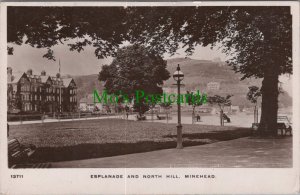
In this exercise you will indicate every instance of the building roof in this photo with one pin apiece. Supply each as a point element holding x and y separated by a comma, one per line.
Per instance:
<point>16,78</point>
<point>44,78</point>
<point>67,81</point>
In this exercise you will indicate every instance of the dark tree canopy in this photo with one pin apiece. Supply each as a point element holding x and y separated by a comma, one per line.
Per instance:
<point>43,27</point>
<point>253,36</point>
<point>135,68</point>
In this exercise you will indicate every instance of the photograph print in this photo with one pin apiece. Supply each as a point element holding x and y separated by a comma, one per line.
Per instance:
<point>149,87</point>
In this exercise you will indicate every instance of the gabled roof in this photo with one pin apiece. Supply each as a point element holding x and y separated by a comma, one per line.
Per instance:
<point>44,78</point>
<point>67,81</point>
<point>16,78</point>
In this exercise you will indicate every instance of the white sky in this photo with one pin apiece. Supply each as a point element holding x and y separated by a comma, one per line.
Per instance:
<point>84,63</point>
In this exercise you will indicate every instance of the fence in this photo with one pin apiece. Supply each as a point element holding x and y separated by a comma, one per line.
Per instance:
<point>58,116</point>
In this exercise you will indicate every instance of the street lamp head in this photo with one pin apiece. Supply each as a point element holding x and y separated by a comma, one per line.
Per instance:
<point>178,75</point>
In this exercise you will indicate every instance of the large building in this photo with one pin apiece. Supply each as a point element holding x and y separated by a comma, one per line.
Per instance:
<point>40,93</point>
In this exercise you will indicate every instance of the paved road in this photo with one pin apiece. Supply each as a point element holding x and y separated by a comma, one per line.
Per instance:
<point>240,153</point>
<point>237,120</point>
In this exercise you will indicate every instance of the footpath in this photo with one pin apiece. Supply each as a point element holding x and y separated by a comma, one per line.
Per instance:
<point>247,152</point>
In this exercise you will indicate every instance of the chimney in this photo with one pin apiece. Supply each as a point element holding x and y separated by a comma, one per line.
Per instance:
<point>43,73</point>
<point>29,72</point>
<point>9,74</point>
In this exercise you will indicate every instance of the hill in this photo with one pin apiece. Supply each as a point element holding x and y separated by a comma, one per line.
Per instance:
<point>197,74</point>
<point>86,85</point>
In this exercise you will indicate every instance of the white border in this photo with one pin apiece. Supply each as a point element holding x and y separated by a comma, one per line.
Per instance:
<point>77,181</point>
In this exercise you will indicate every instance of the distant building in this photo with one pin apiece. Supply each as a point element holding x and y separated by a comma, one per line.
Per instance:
<point>40,93</point>
<point>87,104</point>
<point>212,86</point>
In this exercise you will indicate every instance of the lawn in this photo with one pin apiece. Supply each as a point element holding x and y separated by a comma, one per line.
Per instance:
<point>109,137</point>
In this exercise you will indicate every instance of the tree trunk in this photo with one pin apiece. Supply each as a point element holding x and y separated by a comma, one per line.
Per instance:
<point>193,115</point>
<point>221,118</point>
<point>255,114</point>
<point>269,107</point>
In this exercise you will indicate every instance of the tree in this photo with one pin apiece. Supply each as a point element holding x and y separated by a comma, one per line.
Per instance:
<point>195,100</point>
<point>166,106</point>
<point>43,27</point>
<point>253,94</point>
<point>258,39</point>
<point>135,70</point>
<point>221,102</point>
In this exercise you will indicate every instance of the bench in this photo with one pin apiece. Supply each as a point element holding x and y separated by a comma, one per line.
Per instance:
<point>225,117</point>
<point>284,125</point>
<point>18,153</point>
<point>161,117</point>
<point>139,118</point>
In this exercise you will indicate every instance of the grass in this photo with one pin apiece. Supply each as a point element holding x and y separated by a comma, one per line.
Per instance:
<point>109,137</point>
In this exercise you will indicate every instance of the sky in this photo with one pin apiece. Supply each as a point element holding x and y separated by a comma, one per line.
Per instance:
<point>85,63</point>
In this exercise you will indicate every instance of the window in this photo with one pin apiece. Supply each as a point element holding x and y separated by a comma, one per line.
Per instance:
<point>35,97</point>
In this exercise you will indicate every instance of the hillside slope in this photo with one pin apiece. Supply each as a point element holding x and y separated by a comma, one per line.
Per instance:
<point>197,74</point>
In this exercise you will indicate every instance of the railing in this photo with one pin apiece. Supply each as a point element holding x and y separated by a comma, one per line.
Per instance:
<point>57,116</point>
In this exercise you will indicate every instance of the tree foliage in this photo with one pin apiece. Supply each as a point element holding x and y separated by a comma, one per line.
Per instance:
<point>43,27</point>
<point>135,68</point>
<point>253,94</point>
<point>220,101</point>
<point>253,36</point>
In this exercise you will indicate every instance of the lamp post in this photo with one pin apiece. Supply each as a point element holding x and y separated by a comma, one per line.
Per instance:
<point>178,77</point>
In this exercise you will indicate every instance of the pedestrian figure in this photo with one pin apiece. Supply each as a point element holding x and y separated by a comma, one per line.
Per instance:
<point>127,111</point>
<point>198,117</point>
<point>226,118</point>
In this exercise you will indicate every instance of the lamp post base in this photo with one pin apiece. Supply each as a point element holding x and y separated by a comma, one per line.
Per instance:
<point>179,137</point>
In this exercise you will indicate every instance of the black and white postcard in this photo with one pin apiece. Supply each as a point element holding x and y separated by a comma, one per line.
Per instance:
<point>149,98</point>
